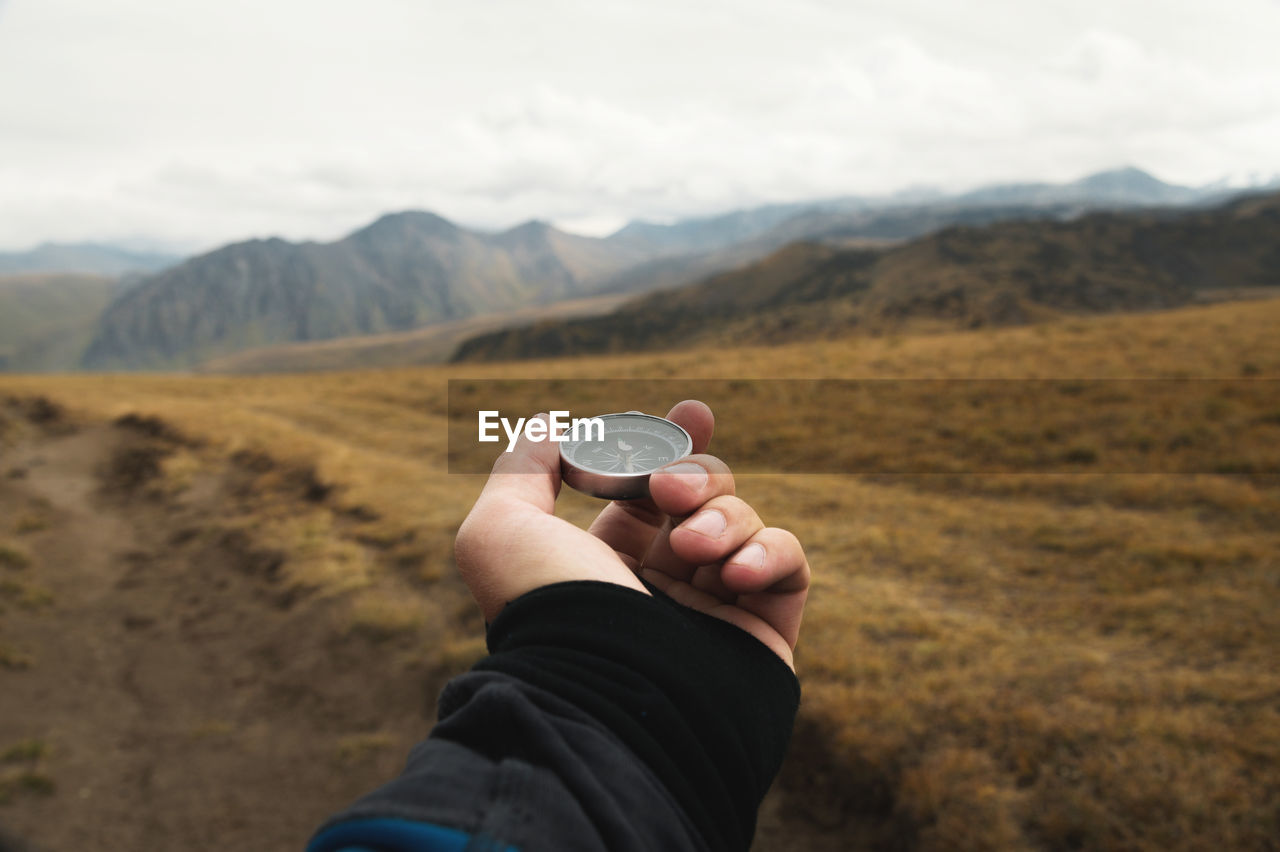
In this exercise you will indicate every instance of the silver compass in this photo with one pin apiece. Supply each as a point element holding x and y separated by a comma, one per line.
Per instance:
<point>618,467</point>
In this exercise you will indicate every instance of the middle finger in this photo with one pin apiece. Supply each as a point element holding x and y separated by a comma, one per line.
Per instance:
<point>716,530</point>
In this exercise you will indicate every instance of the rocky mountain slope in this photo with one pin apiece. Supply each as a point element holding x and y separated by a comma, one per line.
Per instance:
<point>404,271</point>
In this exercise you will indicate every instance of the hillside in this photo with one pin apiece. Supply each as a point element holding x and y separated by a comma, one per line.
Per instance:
<point>404,271</point>
<point>1002,274</point>
<point>248,580</point>
<point>876,226</point>
<point>84,259</point>
<point>47,319</point>
<point>694,248</point>
<point>430,345</point>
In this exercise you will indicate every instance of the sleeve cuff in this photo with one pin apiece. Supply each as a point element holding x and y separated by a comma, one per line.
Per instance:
<point>707,706</point>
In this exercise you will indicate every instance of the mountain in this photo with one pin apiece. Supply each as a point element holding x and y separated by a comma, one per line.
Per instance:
<point>437,342</point>
<point>705,233</point>
<point>404,271</point>
<point>1123,187</point>
<point>694,248</point>
<point>47,319</point>
<point>850,227</point>
<point>84,258</point>
<point>1000,274</point>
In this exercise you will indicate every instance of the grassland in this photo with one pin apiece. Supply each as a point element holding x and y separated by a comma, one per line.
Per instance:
<point>1037,660</point>
<point>47,319</point>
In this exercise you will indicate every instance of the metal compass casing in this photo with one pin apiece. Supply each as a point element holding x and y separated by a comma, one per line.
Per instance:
<point>618,468</point>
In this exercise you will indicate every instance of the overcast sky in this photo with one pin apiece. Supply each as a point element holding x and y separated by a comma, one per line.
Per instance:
<point>204,121</point>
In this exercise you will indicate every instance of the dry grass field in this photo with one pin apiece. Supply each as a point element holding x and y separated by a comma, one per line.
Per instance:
<point>1047,657</point>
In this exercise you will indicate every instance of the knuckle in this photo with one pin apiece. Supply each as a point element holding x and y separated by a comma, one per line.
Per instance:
<point>719,472</point>
<point>786,538</point>
<point>788,547</point>
<point>733,507</point>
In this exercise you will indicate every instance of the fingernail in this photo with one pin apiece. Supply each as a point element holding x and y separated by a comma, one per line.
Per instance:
<point>708,522</point>
<point>751,556</point>
<point>692,475</point>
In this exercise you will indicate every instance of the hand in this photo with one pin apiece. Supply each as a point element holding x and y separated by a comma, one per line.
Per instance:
<point>691,538</point>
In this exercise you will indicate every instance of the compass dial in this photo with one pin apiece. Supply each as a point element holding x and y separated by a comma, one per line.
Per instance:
<point>618,467</point>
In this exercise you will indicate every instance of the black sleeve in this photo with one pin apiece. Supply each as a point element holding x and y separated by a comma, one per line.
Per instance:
<point>603,718</point>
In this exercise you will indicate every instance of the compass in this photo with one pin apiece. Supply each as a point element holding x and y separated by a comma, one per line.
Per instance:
<point>618,467</point>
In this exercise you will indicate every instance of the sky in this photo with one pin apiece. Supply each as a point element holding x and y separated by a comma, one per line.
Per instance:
<point>190,124</point>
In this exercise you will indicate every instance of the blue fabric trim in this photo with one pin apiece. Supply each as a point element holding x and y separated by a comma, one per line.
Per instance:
<point>399,835</point>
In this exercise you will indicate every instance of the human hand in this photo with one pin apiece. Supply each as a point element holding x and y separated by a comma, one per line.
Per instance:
<point>691,538</point>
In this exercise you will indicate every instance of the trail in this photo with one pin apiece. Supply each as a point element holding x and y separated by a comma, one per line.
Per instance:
<point>186,697</point>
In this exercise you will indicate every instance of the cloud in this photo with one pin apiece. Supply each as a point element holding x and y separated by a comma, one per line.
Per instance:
<point>202,122</point>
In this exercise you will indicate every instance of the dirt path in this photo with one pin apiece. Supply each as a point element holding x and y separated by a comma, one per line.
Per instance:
<point>167,688</point>
<point>179,695</point>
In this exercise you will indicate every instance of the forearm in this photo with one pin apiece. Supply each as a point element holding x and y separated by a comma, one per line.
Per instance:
<point>627,721</point>
<point>705,706</point>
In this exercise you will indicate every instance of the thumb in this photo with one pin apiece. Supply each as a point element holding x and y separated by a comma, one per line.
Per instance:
<point>530,472</point>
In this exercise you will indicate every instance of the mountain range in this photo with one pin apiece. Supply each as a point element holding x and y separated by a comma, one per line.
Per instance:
<point>1121,188</point>
<point>962,276</point>
<point>410,272</point>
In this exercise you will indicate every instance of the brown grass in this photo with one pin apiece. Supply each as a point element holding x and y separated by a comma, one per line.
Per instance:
<point>356,748</point>
<point>385,613</point>
<point>13,658</point>
<point>20,770</point>
<point>13,557</point>
<point>1013,661</point>
<point>25,594</point>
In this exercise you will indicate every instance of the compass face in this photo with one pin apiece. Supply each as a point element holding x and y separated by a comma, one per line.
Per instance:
<point>618,467</point>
